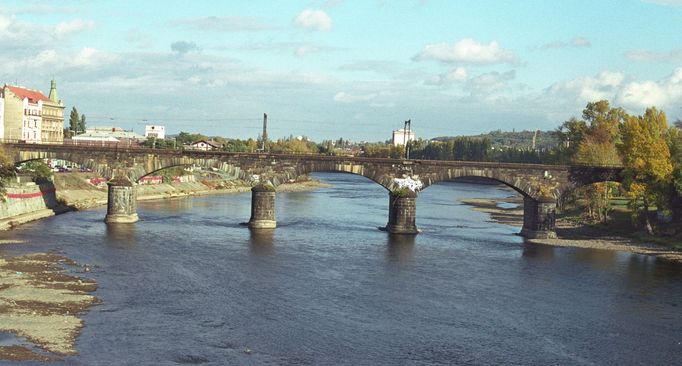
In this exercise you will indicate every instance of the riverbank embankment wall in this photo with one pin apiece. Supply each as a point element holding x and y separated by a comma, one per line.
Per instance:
<point>26,202</point>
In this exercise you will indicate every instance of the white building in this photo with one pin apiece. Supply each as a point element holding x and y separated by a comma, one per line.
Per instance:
<point>205,145</point>
<point>401,137</point>
<point>155,131</point>
<point>33,120</point>
<point>108,134</point>
<point>22,115</point>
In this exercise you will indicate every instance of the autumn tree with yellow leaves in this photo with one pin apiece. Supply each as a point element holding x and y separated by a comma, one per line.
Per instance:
<point>646,159</point>
<point>593,140</point>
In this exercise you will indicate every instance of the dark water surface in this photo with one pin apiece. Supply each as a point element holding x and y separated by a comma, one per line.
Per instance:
<point>188,285</point>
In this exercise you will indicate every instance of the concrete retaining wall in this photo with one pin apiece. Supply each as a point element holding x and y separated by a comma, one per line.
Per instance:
<point>27,198</point>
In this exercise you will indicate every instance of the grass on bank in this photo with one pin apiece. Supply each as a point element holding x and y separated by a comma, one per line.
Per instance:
<point>619,223</point>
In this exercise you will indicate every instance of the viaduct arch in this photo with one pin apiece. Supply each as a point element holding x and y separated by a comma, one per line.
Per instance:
<point>540,185</point>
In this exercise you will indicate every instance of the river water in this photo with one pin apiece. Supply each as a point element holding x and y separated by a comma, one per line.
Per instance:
<point>188,285</point>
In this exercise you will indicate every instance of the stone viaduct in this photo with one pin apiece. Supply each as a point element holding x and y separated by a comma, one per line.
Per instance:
<point>540,185</point>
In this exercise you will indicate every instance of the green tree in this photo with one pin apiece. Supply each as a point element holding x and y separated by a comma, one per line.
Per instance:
<point>6,169</point>
<point>81,124</point>
<point>570,134</point>
<point>598,143</point>
<point>38,169</point>
<point>74,120</point>
<point>648,168</point>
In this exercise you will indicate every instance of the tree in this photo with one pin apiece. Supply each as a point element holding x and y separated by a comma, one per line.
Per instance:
<point>598,143</point>
<point>648,168</point>
<point>675,146</point>
<point>38,169</point>
<point>592,151</point>
<point>74,120</point>
<point>570,134</point>
<point>81,124</point>
<point>6,169</point>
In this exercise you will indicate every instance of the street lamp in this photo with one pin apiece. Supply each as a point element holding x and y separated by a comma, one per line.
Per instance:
<point>406,136</point>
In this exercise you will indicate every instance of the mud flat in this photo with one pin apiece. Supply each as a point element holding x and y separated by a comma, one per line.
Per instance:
<point>40,304</point>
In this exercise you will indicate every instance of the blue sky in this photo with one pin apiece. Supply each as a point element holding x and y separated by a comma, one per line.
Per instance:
<point>340,68</point>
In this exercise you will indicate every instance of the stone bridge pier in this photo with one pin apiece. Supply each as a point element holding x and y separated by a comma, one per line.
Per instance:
<point>263,207</point>
<point>402,213</point>
<point>539,218</point>
<point>121,201</point>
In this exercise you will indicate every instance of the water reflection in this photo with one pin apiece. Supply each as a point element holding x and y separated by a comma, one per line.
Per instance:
<point>601,259</point>
<point>400,247</point>
<point>261,242</point>
<point>121,235</point>
<point>531,250</point>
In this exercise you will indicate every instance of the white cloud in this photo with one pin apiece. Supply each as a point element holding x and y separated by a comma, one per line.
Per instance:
<point>138,39</point>
<point>614,86</point>
<point>590,88</point>
<point>467,51</point>
<point>65,29</point>
<point>305,49</point>
<point>665,2</point>
<point>666,93</point>
<point>577,42</point>
<point>456,75</point>
<point>581,42</point>
<point>332,3</point>
<point>486,85</point>
<point>652,56</point>
<point>378,66</point>
<point>343,97</point>
<point>89,58</point>
<point>224,24</point>
<point>316,20</point>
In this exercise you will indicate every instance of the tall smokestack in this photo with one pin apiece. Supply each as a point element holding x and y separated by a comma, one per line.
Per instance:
<point>265,129</point>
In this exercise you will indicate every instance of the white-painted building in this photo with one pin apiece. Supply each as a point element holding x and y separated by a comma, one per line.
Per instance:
<point>156,131</point>
<point>401,137</point>
<point>108,134</point>
<point>205,145</point>
<point>33,120</point>
<point>22,115</point>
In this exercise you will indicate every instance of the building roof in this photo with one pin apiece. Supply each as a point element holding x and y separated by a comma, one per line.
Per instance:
<point>213,143</point>
<point>115,132</point>
<point>33,95</point>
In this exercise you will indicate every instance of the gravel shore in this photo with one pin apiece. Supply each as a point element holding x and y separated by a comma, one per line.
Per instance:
<point>41,303</point>
<point>570,234</point>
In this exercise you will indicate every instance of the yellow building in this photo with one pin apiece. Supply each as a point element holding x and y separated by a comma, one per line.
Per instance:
<point>52,129</point>
<point>30,116</point>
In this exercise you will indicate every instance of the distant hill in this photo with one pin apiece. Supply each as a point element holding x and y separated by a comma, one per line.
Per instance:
<point>515,139</point>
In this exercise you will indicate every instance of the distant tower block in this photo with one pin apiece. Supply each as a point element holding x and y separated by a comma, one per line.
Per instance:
<point>265,130</point>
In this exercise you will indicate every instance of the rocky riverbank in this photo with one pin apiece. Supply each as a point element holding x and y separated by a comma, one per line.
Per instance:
<point>40,304</point>
<point>509,211</point>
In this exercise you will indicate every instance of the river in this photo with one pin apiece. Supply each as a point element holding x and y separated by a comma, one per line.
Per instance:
<point>188,285</point>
